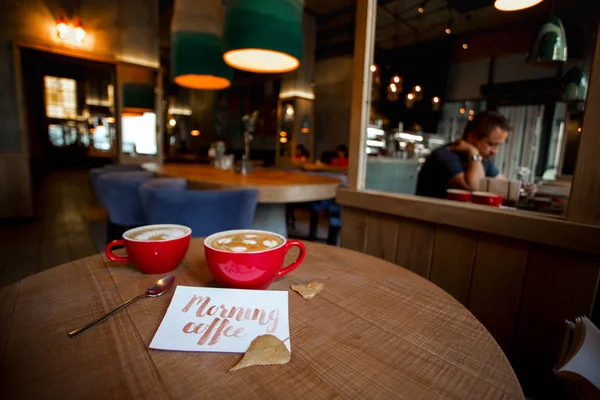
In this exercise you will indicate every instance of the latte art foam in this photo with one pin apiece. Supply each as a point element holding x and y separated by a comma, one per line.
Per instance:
<point>243,242</point>
<point>158,234</point>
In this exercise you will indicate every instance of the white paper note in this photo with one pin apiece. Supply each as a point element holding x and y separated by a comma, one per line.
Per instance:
<point>221,320</point>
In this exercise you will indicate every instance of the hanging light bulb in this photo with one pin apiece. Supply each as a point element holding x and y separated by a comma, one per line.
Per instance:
<point>421,10</point>
<point>409,102</point>
<point>465,46</point>
<point>418,88</point>
<point>514,5</point>
<point>79,33</point>
<point>62,29</point>
<point>462,110</point>
<point>195,132</point>
<point>397,81</point>
<point>172,122</point>
<point>392,92</point>
<point>373,68</point>
<point>435,103</point>
<point>448,31</point>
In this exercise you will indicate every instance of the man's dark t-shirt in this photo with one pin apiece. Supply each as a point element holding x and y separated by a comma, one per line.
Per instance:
<point>441,166</point>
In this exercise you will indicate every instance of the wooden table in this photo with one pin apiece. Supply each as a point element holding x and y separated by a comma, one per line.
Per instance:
<point>376,331</point>
<point>318,167</point>
<point>275,188</point>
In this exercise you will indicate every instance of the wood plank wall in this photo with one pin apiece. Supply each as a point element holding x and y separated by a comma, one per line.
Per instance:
<point>522,292</point>
<point>16,200</point>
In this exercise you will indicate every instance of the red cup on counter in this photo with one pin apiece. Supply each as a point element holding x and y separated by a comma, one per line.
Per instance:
<point>487,198</point>
<point>155,249</point>
<point>248,258</point>
<point>458,195</point>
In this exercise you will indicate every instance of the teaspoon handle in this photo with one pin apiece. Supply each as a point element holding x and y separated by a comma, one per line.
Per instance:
<point>79,331</point>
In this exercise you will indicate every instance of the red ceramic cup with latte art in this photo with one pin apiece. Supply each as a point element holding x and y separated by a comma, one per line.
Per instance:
<point>152,256</point>
<point>251,270</point>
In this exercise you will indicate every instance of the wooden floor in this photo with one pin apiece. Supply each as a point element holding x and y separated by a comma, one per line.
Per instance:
<point>69,224</point>
<point>65,207</point>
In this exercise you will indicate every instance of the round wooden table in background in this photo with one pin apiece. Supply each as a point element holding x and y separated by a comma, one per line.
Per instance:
<point>275,188</point>
<point>375,331</point>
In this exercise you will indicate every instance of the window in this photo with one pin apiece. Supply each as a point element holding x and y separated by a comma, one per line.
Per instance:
<point>61,97</point>
<point>139,134</point>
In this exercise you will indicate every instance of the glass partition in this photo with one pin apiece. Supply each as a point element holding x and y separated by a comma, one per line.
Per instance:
<point>459,106</point>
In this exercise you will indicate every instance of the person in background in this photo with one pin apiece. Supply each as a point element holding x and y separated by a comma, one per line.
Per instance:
<point>460,165</point>
<point>341,157</point>
<point>301,154</point>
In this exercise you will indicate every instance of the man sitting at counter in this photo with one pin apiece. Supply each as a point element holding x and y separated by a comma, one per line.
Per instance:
<point>460,165</point>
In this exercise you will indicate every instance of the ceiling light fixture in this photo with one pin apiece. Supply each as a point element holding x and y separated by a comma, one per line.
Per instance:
<point>515,5</point>
<point>549,47</point>
<point>79,32</point>
<point>196,56</point>
<point>62,29</point>
<point>256,40</point>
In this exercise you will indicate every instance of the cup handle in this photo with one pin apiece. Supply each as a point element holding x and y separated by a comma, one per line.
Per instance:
<point>113,256</point>
<point>288,245</point>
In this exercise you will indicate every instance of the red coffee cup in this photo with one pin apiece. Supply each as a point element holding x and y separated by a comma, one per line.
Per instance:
<point>458,195</point>
<point>152,254</point>
<point>487,198</point>
<point>250,270</point>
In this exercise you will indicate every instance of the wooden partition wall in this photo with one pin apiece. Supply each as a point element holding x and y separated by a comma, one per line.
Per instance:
<point>520,277</point>
<point>521,274</point>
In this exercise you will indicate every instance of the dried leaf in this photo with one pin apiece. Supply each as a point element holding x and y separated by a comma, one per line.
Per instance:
<point>264,350</point>
<point>308,290</point>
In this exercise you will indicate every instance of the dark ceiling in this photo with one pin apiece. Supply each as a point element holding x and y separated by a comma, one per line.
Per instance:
<point>400,24</point>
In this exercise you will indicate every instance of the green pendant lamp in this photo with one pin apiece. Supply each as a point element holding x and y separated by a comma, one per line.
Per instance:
<point>575,89</point>
<point>263,35</point>
<point>576,85</point>
<point>196,54</point>
<point>138,98</point>
<point>549,47</point>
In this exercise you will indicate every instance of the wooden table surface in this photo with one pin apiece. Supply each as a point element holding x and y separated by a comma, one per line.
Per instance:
<point>324,167</point>
<point>273,185</point>
<point>375,331</point>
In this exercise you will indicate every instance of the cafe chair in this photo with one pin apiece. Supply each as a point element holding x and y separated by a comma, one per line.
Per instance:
<point>330,207</point>
<point>96,172</point>
<point>119,192</point>
<point>150,188</point>
<point>205,211</point>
